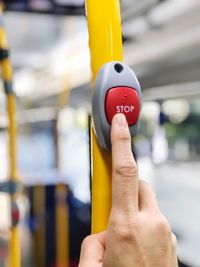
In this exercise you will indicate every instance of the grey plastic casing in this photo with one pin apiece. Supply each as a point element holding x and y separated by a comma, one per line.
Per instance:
<point>107,78</point>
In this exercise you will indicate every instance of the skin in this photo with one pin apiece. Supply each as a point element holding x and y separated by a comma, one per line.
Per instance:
<point>138,234</point>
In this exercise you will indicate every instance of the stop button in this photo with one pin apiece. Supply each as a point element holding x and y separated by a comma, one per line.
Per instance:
<point>122,100</point>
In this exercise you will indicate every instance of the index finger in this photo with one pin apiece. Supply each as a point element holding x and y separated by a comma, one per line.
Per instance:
<point>124,168</point>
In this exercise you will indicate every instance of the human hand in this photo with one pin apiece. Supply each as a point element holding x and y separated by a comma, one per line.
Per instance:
<point>138,234</point>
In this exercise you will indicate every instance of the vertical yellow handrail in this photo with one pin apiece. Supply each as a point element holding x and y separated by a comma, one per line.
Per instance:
<point>62,226</point>
<point>39,234</point>
<point>62,209</point>
<point>7,74</point>
<point>105,40</point>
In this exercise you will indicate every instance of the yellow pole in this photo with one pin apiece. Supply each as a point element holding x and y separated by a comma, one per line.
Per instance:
<point>39,235</point>
<point>62,210</point>
<point>14,246</point>
<point>105,39</point>
<point>62,227</point>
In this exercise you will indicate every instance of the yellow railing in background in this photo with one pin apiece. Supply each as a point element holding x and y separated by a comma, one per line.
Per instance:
<point>62,209</point>
<point>105,40</point>
<point>39,234</point>
<point>7,75</point>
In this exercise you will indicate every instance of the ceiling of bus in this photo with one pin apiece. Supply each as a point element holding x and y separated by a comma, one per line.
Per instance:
<point>50,54</point>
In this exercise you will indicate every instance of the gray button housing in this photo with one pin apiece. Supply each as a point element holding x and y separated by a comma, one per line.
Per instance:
<point>112,74</point>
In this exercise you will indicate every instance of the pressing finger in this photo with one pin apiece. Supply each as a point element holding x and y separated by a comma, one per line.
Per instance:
<point>125,177</point>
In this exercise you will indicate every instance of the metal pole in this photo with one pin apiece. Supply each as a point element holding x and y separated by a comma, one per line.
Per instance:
<point>105,40</point>
<point>14,249</point>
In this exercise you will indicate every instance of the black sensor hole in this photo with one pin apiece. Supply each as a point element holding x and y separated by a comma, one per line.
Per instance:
<point>118,68</point>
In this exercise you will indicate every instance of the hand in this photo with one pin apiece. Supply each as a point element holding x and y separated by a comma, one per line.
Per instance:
<point>138,234</point>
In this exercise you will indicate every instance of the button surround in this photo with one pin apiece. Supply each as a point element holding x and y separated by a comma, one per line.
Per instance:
<point>107,78</point>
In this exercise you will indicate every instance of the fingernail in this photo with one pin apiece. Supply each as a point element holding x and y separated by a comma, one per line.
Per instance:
<point>120,119</point>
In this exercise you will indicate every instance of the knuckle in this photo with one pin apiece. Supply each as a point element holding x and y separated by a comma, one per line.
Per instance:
<point>125,234</point>
<point>162,227</point>
<point>124,138</point>
<point>126,167</point>
<point>124,231</point>
<point>86,242</point>
<point>174,241</point>
<point>121,138</point>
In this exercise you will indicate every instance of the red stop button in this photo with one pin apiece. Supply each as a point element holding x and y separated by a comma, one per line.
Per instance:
<point>123,100</point>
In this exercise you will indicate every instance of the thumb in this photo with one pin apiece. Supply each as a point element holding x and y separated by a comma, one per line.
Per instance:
<point>92,250</point>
